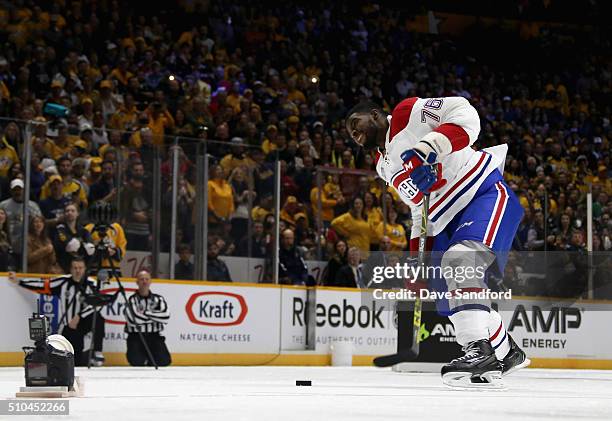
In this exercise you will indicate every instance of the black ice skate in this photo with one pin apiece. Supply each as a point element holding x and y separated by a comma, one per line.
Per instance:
<point>477,369</point>
<point>515,360</point>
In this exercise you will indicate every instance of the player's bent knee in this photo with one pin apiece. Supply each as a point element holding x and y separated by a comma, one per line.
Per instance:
<point>463,267</point>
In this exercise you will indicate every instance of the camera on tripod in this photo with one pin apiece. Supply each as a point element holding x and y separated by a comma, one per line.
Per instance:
<point>50,362</point>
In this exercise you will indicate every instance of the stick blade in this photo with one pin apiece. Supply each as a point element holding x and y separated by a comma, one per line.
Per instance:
<point>392,359</point>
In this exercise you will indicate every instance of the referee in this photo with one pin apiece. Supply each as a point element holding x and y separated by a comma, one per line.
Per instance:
<point>76,315</point>
<point>149,317</point>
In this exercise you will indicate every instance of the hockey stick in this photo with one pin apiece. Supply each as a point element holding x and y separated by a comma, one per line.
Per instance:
<point>412,353</point>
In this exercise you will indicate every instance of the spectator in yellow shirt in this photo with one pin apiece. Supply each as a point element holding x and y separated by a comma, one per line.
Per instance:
<point>328,203</point>
<point>289,210</point>
<point>371,209</point>
<point>121,73</point>
<point>237,157</point>
<point>62,144</point>
<point>220,196</point>
<point>8,157</point>
<point>116,244</point>
<point>393,230</point>
<point>269,142</point>
<point>160,119</point>
<point>260,212</point>
<point>40,142</point>
<point>71,188</point>
<point>353,226</point>
<point>126,116</point>
<point>602,179</point>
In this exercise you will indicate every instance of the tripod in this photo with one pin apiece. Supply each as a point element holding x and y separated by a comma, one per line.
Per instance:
<point>100,254</point>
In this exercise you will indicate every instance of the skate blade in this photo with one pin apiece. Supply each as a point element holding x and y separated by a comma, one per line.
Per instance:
<point>491,380</point>
<point>518,367</point>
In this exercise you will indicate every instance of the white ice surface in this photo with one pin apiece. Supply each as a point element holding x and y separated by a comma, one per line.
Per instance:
<point>337,393</point>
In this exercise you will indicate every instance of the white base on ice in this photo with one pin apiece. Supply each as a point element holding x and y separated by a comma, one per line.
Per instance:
<point>52,391</point>
<point>337,393</point>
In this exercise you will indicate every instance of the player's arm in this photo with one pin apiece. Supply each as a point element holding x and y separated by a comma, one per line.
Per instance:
<point>455,125</point>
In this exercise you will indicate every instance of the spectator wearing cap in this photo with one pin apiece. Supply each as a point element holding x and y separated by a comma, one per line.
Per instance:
<point>14,213</point>
<point>53,206</point>
<point>86,116</point>
<point>41,143</point>
<point>603,180</point>
<point>269,143</point>
<point>8,155</point>
<point>86,132</point>
<point>70,188</point>
<point>293,123</point>
<point>220,196</point>
<point>62,143</point>
<point>305,236</point>
<point>57,91</point>
<point>290,208</point>
<point>109,101</point>
<point>80,149</point>
<point>236,158</point>
<point>95,171</point>
<point>105,189</point>
<point>126,117</point>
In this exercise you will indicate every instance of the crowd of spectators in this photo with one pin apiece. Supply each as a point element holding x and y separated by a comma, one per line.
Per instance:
<point>276,83</point>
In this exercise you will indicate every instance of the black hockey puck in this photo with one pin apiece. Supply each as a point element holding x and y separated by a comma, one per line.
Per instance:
<point>303,383</point>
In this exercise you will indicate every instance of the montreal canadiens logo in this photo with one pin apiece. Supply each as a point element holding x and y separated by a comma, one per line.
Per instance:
<point>216,308</point>
<point>113,314</point>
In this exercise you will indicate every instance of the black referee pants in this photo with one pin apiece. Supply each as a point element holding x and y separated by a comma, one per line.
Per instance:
<point>76,337</point>
<point>137,354</point>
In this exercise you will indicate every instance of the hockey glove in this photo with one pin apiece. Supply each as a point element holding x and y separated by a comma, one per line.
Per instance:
<point>421,170</point>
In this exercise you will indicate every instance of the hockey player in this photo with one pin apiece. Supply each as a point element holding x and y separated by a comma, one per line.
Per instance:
<point>424,147</point>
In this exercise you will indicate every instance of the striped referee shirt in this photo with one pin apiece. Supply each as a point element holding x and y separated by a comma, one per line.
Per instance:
<point>150,313</point>
<point>71,295</point>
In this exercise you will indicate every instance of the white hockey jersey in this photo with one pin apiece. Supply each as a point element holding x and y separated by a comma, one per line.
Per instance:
<point>451,125</point>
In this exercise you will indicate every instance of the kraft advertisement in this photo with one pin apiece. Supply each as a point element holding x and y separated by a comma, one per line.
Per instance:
<point>215,318</point>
